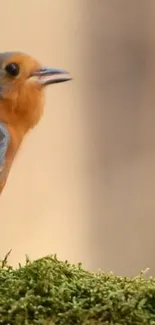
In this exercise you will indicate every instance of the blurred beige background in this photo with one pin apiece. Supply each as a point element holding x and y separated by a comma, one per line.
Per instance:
<point>83,183</point>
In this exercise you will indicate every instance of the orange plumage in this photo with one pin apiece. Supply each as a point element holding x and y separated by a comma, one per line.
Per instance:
<point>22,84</point>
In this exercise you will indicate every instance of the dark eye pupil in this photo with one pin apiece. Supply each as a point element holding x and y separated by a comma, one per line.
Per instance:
<point>12,69</point>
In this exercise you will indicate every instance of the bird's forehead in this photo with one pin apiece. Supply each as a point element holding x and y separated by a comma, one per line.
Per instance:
<point>5,56</point>
<point>18,57</point>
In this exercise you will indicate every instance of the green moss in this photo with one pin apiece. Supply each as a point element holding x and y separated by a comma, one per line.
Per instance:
<point>50,292</point>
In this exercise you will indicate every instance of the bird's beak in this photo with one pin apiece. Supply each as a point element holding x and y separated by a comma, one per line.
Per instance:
<point>47,76</point>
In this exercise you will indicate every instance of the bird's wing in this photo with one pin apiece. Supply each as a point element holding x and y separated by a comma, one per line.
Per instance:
<point>4,144</point>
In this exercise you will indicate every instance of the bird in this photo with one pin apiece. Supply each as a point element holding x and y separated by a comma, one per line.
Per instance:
<point>23,80</point>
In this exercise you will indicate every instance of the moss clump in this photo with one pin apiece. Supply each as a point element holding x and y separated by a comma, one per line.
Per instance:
<point>51,292</point>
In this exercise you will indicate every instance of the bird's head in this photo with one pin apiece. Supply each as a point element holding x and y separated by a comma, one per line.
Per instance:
<point>22,84</point>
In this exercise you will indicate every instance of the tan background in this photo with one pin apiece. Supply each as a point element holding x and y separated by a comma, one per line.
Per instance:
<point>83,184</point>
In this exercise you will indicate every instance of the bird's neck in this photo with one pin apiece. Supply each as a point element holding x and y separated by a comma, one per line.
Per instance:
<point>19,119</point>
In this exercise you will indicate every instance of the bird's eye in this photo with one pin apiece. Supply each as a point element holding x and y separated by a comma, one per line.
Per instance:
<point>12,69</point>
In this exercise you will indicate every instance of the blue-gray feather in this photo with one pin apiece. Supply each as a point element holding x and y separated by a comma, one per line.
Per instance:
<point>4,142</point>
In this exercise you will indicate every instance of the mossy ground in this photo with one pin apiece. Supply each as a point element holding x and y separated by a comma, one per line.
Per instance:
<point>51,292</point>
